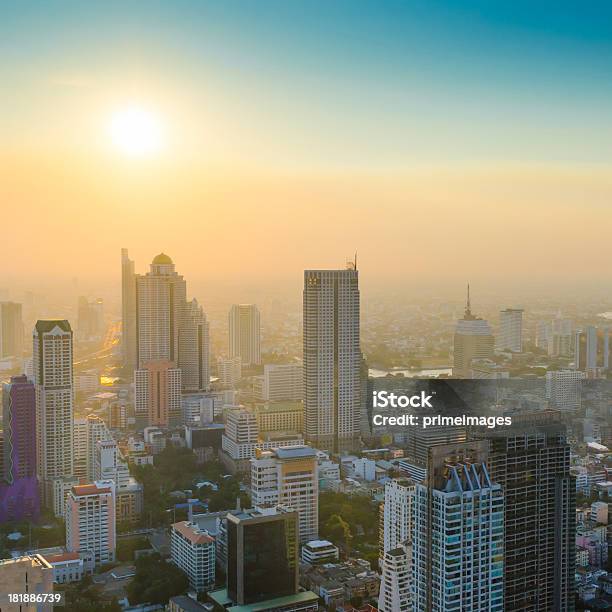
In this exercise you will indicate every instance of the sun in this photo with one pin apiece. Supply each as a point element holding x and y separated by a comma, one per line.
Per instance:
<point>136,131</point>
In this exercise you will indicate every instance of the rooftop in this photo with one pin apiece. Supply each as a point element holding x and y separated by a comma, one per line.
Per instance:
<point>295,452</point>
<point>47,325</point>
<point>67,556</point>
<point>162,259</point>
<point>192,532</point>
<point>90,489</point>
<point>221,598</point>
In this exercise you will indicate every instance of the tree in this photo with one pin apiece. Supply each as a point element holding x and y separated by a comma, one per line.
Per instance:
<point>338,530</point>
<point>156,581</point>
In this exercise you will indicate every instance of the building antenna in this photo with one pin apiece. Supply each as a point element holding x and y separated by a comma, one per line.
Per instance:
<point>355,268</point>
<point>468,308</point>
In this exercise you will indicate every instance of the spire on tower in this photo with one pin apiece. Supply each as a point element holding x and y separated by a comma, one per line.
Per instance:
<point>468,306</point>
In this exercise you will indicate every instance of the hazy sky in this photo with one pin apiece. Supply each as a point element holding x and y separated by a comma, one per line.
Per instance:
<point>443,140</point>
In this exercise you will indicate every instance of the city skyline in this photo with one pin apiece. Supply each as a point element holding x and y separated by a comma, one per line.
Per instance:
<point>306,306</point>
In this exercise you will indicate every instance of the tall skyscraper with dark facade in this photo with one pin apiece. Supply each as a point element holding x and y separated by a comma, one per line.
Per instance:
<point>531,461</point>
<point>332,358</point>
<point>53,380</point>
<point>19,496</point>
<point>262,555</point>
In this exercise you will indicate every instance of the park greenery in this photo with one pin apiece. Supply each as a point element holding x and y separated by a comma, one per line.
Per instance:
<point>176,469</point>
<point>85,596</point>
<point>156,581</point>
<point>351,523</point>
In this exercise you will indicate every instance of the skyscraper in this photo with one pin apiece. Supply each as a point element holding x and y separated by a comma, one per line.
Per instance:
<point>531,462</point>
<point>160,305</point>
<point>19,496</point>
<point>458,533</point>
<point>168,328</point>
<point>592,350</point>
<point>289,476</point>
<point>396,546</point>
<point>397,513</point>
<point>157,394</point>
<point>194,348</point>
<point>128,311</point>
<point>473,340</point>
<point>510,330</point>
<point>11,330</point>
<point>53,379</point>
<point>245,334</point>
<point>332,358</point>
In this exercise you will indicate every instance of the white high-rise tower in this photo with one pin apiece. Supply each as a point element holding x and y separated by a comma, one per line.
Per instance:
<point>510,336</point>
<point>332,358</point>
<point>52,362</point>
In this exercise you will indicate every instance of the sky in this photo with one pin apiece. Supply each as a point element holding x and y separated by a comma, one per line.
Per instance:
<point>442,140</point>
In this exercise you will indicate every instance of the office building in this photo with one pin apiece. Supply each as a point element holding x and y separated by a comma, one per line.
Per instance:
<point>192,549</point>
<point>245,334</point>
<point>19,495</point>
<point>128,312</point>
<point>53,381</point>
<point>473,340</point>
<point>229,371</point>
<point>332,358</point>
<point>157,394</point>
<point>531,462</point>
<point>194,348</point>
<point>262,566</point>
<point>564,389</point>
<point>510,336</point>
<point>592,350</point>
<point>282,382</point>
<point>242,439</point>
<point>280,416</point>
<point>458,533</point>
<point>11,330</point>
<point>201,407</point>
<point>289,477</point>
<point>90,520</point>
<point>30,574</point>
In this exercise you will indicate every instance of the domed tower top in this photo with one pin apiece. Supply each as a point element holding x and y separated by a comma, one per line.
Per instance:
<point>162,264</point>
<point>162,259</point>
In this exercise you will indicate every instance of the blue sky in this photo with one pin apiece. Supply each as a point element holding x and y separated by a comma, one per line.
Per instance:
<point>355,83</point>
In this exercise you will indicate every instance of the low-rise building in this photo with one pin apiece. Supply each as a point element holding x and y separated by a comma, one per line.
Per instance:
<point>319,551</point>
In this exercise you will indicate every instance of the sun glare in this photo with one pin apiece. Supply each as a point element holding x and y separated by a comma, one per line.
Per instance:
<point>136,132</point>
